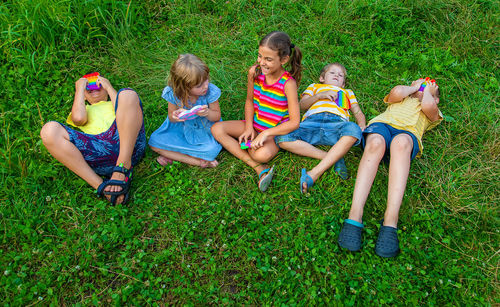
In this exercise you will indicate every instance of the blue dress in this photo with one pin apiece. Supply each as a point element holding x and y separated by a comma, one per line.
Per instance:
<point>191,137</point>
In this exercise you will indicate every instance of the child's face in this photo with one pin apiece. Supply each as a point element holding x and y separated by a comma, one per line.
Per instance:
<point>269,60</point>
<point>200,90</point>
<point>333,76</point>
<point>95,96</point>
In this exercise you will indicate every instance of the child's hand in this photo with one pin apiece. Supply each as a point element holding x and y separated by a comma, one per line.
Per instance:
<point>103,82</point>
<point>258,142</point>
<point>81,83</point>
<point>417,83</point>
<point>175,114</point>
<point>330,95</point>
<point>247,135</point>
<point>203,111</point>
<point>432,88</point>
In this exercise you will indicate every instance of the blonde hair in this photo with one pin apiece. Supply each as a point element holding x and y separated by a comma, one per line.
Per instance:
<point>187,72</point>
<point>327,66</point>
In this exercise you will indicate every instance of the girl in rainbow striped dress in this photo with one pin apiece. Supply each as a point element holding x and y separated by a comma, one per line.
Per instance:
<point>271,106</point>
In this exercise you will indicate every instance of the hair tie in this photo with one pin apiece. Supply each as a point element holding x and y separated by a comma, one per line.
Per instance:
<point>292,46</point>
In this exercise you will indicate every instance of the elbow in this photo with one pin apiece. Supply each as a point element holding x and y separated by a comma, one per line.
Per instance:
<point>216,118</point>
<point>397,94</point>
<point>79,120</point>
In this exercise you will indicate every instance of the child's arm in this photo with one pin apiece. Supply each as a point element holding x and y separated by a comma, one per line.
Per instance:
<point>360,117</point>
<point>400,92</point>
<point>108,87</point>
<point>173,111</point>
<point>429,103</point>
<point>211,112</point>
<point>78,111</point>
<point>288,126</point>
<point>249,133</point>
<point>307,100</point>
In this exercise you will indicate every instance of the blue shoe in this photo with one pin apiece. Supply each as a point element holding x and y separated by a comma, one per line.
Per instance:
<point>350,236</point>
<point>341,169</point>
<point>304,177</point>
<point>265,180</point>
<point>387,243</point>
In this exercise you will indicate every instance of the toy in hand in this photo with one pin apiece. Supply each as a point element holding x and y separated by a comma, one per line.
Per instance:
<point>424,84</point>
<point>189,114</point>
<point>92,81</point>
<point>246,145</point>
<point>343,101</point>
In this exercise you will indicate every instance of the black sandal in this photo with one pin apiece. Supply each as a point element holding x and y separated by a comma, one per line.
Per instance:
<point>124,184</point>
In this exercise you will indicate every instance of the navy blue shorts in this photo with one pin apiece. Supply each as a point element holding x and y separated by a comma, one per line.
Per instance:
<point>388,133</point>
<point>322,129</point>
<point>101,151</point>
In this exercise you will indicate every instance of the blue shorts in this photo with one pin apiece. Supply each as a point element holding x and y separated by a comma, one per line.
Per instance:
<point>101,151</point>
<point>388,133</point>
<point>322,129</point>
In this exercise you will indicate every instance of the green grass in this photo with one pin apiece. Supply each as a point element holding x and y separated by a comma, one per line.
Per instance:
<point>208,236</point>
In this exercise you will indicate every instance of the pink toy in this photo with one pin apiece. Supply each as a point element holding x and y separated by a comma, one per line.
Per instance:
<point>189,114</point>
<point>246,145</point>
<point>92,81</point>
<point>424,84</point>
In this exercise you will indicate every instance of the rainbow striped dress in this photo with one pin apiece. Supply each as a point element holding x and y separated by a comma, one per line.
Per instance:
<point>269,102</point>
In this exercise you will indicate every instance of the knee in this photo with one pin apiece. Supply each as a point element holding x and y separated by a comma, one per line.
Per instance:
<point>128,98</point>
<point>375,144</point>
<point>50,132</point>
<point>262,155</point>
<point>217,129</point>
<point>403,144</point>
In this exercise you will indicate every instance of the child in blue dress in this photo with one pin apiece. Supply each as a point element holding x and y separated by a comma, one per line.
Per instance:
<point>188,140</point>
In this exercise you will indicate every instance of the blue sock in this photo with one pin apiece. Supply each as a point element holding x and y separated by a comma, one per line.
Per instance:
<point>355,223</point>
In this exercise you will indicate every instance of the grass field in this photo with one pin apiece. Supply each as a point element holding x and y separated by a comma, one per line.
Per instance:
<point>208,236</point>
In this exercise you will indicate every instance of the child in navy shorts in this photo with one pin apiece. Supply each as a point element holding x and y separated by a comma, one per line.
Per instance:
<point>395,134</point>
<point>111,141</point>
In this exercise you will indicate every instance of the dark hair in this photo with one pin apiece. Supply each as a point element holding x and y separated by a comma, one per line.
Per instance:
<point>280,42</point>
<point>187,72</point>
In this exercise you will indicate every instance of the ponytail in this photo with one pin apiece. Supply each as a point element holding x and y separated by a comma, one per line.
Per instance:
<point>280,42</point>
<point>296,64</point>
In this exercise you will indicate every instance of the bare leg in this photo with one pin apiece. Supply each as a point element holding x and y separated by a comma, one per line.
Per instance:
<point>177,156</point>
<point>334,154</point>
<point>399,168</point>
<point>56,140</point>
<point>227,133</point>
<point>304,149</point>
<point>367,170</point>
<point>128,122</point>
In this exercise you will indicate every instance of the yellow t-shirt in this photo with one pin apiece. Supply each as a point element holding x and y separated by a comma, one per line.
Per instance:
<point>100,116</point>
<point>407,115</point>
<point>326,105</point>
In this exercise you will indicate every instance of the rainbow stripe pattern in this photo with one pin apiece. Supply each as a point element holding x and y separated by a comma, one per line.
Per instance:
<point>343,100</point>
<point>270,103</point>
<point>92,81</point>
<point>424,84</point>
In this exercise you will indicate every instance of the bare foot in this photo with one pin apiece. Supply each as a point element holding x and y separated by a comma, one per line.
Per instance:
<point>163,160</point>
<point>205,163</point>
